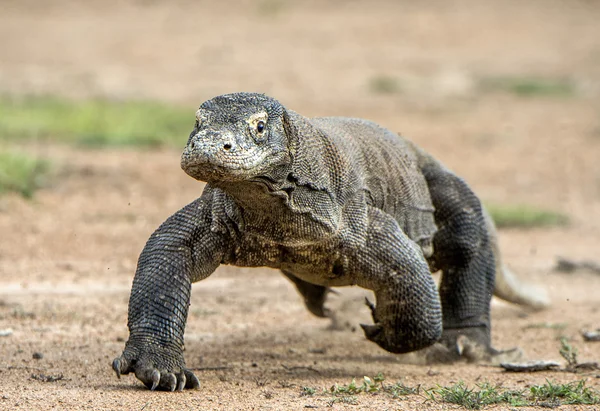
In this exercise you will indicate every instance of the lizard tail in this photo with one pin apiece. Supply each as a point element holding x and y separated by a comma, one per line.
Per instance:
<point>508,286</point>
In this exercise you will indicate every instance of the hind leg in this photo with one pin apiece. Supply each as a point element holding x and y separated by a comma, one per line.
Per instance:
<point>463,251</point>
<point>314,295</point>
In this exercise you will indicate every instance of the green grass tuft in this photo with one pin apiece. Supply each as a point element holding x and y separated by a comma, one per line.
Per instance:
<point>558,394</point>
<point>548,395</point>
<point>368,385</point>
<point>21,173</point>
<point>547,325</point>
<point>478,397</point>
<point>568,352</point>
<point>524,216</point>
<point>347,393</point>
<point>308,391</point>
<point>271,7</point>
<point>530,86</point>
<point>94,122</point>
<point>475,399</point>
<point>383,84</point>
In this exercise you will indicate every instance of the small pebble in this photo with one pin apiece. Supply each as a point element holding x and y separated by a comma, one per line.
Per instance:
<point>591,335</point>
<point>38,355</point>
<point>6,332</point>
<point>531,366</point>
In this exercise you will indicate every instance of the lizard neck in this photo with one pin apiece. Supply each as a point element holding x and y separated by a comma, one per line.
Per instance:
<point>282,212</point>
<point>257,197</point>
<point>301,200</point>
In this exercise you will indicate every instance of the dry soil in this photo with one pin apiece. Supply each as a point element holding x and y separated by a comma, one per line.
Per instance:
<point>67,257</point>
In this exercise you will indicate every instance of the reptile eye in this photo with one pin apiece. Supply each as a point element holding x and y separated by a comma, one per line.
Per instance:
<point>260,126</point>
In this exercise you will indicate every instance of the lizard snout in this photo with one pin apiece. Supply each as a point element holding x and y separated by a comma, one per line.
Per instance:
<point>211,143</point>
<point>216,155</point>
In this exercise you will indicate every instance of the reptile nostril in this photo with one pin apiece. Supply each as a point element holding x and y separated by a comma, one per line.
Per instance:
<point>227,146</point>
<point>193,145</point>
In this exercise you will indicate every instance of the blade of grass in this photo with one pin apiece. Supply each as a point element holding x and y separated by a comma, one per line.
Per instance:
<point>94,122</point>
<point>21,173</point>
<point>525,216</point>
<point>530,86</point>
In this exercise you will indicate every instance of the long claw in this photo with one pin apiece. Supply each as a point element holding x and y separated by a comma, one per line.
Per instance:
<point>155,379</point>
<point>172,382</point>
<point>181,382</point>
<point>192,380</point>
<point>116,365</point>
<point>371,307</point>
<point>371,331</point>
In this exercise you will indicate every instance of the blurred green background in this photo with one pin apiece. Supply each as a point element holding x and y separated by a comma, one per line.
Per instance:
<point>494,82</point>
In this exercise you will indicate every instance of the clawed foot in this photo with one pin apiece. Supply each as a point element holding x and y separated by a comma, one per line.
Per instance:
<point>315,303</point>
<point>371,306</point>
<point>398,334</point>
<point>372,332</point>
<point>470,344</point>
<point>160,370</point>
<point>314,295</point>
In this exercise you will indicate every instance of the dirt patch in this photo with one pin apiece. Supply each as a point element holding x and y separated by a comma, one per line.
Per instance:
<point>67,258</point>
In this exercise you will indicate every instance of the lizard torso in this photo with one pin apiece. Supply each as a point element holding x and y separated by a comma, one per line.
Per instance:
<point>342,167</point>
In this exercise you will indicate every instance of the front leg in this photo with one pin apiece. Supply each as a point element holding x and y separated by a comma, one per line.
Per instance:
<point>407,313</point>
<point>182,250</point>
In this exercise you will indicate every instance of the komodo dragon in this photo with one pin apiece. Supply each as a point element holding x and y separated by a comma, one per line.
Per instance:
<point>330,202</point>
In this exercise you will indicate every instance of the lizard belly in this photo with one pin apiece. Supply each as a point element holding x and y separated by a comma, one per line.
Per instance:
<point>325,273</point>
<point>322,263</point>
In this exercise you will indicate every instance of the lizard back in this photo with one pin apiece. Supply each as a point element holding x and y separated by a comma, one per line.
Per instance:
<point>385,166</point>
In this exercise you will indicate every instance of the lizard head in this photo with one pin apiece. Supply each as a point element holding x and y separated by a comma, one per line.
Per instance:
<point>237,137</point>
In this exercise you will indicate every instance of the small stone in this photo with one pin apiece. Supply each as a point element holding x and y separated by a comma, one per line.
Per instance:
<point>591,335</point>
<point>38,355</point>
<point>531,366</point>
<point>6,332</point>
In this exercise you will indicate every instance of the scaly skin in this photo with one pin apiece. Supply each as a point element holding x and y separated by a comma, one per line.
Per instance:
<point>330,202</point>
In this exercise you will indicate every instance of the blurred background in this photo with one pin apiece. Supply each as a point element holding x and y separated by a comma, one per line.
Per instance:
<point>503,91</point>
<point>97,99</point>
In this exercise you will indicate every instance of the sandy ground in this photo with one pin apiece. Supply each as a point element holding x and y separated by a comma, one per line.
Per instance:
<point>67,257</point>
